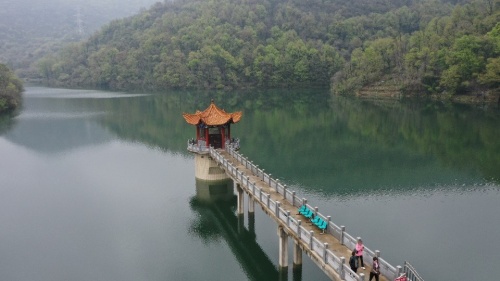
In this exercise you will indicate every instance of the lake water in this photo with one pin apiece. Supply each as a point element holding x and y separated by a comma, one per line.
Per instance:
<point>99,186</point>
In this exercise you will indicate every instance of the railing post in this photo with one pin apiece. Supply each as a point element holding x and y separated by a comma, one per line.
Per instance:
<point>284,191</point>
<point>377,253</point>
<point>316,211</point>
<point>342,271</point>
<point>342,231</point>
<point>324,252</point>
<point>293,198</point>
<point>311,240</point>
<point>361,277</point>
<point>304,201</point>
<point>400,271</point>
<point>299,223</point>
<point>277,210</point>
<point>328,220</point>
<point>288,218</point>
<point>269,177</point>
<point>263,174</point>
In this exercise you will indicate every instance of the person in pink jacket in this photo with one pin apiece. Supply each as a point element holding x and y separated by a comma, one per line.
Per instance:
<point>359,252</point>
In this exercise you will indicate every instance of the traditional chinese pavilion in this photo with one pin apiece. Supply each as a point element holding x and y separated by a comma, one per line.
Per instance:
<point>213,125</point>
<point>213,129</point>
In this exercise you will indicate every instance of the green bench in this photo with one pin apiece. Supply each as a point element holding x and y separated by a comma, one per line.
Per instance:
<point>306,212</point>
<point>320,223</point>
<point>316,220</point>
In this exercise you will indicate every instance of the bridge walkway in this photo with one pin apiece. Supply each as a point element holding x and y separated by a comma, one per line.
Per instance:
<point>334,245</point>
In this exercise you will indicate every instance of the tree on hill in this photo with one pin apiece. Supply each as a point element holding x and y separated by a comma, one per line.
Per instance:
<point>10,89</point>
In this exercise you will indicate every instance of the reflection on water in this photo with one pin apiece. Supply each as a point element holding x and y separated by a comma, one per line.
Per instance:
<point>50,93</point>
<point>215,204</point>
<point>57,132</point>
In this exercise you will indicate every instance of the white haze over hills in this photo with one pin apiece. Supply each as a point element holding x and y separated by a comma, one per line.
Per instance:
<point>30,29</point>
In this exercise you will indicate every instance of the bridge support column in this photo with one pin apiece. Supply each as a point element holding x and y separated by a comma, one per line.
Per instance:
<point>283,247</point>
<point>241,204</point>
<point>283,274</point>
<point>297,273</point>
<point>297,254</point>
<point>241,224</point>
<point>251,215</point>
<point>251,224</point>
<point>251,204</point>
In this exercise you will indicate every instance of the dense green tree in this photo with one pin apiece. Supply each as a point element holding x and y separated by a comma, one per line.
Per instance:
<point>10,89</point>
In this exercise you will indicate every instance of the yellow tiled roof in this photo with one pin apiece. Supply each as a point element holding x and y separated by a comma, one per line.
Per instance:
<point>212,116</point>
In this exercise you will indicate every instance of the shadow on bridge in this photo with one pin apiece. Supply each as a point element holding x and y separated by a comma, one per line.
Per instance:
<point>216,205</point>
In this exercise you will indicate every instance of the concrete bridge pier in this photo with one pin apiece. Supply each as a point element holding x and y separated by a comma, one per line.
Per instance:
<point>283,248</point>
<point>251,224</point>
<point>297,273</point>
<point>283,274</point>
<point>297,255</point>
<point>240,194</point>
<point>251,205</point>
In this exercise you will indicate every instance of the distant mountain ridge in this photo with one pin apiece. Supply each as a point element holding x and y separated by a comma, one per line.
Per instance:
<point>425,46</point>
<point>31,29</point>
<point>215,44</point>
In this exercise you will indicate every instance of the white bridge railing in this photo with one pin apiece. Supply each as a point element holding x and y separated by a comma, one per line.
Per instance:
<point>329,258</point>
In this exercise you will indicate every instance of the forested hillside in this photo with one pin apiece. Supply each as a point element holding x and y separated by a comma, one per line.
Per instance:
<point>455,53</point>
<point>10,89</point>
<point>30,29</point>
<point>427,45</point>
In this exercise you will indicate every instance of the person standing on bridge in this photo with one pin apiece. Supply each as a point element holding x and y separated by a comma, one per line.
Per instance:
<point>375,272</point>
<point>359,252</point>
<point>353,261</point>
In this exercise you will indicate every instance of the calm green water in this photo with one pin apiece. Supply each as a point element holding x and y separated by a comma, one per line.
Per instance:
<point>99,186</point>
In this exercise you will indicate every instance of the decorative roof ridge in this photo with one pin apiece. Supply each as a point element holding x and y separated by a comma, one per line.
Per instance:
<point>212,116</point>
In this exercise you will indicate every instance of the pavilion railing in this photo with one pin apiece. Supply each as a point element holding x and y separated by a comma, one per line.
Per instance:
<point>200,146</point>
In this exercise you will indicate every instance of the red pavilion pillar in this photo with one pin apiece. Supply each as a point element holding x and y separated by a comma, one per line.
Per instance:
<point>223,137</point>
<point>206,137</point>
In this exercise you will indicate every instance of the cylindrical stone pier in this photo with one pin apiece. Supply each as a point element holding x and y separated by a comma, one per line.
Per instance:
<point>240,194</point>
<point>297,254</point>
<point>251,205</point>
<point>283,247</point>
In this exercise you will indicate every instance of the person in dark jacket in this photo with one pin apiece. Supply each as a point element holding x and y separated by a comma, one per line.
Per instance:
<point>353,261</point>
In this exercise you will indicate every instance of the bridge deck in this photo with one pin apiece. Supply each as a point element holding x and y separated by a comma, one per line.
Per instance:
<point>334,245</point>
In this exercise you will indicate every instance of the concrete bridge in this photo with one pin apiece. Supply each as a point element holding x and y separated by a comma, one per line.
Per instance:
<point>330,251</point>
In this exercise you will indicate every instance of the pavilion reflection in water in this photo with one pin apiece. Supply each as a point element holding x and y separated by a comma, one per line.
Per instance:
<point>215,202</point>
